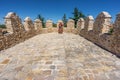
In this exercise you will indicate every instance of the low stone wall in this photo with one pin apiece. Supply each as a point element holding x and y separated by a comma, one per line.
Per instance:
<point>18,32</point>
<point>99,31</point>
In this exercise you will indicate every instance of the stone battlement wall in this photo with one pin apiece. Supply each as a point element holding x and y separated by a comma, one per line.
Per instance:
<point>98,31</point>
<point>18,31</point>
<point>101,31</point>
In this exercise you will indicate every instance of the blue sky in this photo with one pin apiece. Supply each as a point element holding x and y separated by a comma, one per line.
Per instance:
<point>54,9</point>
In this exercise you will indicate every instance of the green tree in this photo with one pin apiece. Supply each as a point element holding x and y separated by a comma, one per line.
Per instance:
<point>2,26</point>
<point>42,19</point>
<point>64,19</point>
<point>76,15</point>
<point>54,25</point>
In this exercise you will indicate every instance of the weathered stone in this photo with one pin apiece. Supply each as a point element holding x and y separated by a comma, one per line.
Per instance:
<point>48,62</point>
<point>88,27</point>
<point>19,68</point>
<point>1,67</point>
<point>89,23</point>
<point>1,32</point>
<point>116,36</point>
<point>13,22</point>
<point>28,24</point>
<point>61,78</point>
<point>80,24</point>
<point>49,24</point>
<point>102,23</point>
<point>29,78</point>
<point>47,72</point>
<point>70,24</point>
<point>5,61</point>
<point>38,24</point>
<point>62,72</point>
<point>57,56</point>
<point>52,67</point>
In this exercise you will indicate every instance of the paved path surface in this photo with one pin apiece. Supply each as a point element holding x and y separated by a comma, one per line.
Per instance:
<point>55,56</point>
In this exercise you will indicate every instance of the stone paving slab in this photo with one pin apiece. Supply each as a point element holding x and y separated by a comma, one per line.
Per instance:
<point>56,56</point>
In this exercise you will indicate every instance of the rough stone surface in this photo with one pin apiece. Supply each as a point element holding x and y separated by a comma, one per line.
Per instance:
<point>56,56</point>
<point>102,33</point>
<point>102,23</point>
<point>1,32</point>
<point>13,23</point>
<point>38,24</point>
<point>116,36</point>
<point>80,24</point>
<point>28,24</point>
<point>88,26</point>
<point>49,24</point>
<point>70,24</point>
<point>89,22</point>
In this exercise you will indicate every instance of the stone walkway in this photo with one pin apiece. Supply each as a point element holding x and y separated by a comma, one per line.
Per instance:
<point>56,56</point>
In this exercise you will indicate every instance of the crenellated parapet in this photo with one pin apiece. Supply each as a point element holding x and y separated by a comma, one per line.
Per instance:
<point>70,24</point>
<point>16,31</point>
<point>13,22</point>
<point>49,24</point>
<point>89,20</point>
<point>102,23</point>
<point>99,31</point>
<point>102,32</point>
<point>38,24</point>
<point>80,24</point>
<point>28,24</point>
<point>117,25</point>
<point>116,35</point>
<point>89,23</point>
